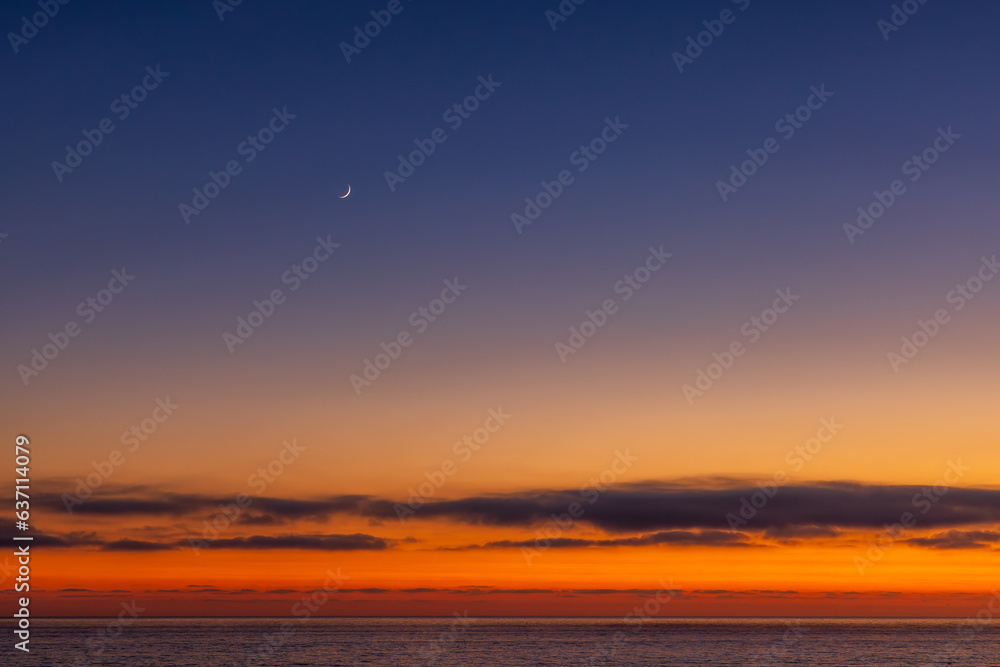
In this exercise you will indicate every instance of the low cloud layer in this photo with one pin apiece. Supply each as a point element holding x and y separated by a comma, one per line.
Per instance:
<point>700,513</point>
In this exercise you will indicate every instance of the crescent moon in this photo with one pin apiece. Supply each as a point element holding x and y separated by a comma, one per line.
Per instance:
<point>348,192</point>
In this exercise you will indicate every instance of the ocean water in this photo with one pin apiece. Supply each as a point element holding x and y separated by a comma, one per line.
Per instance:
<point>558,642</point>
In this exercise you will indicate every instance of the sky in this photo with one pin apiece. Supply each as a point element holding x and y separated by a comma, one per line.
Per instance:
<point>680,296</point>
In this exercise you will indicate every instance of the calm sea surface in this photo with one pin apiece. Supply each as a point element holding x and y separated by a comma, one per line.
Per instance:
<point>515,642</point>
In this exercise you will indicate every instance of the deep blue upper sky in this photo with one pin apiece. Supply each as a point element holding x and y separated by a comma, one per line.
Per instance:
<point>657,184</point>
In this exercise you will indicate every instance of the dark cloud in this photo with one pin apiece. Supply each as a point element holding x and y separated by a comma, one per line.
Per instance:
<point>116,502</point>
<point>719,538</point>
<point>309,509</point>
<point>334,542</point>
<point>355,542</point>
<point>167,505</point>
<point>43,540</point>
<point>63,541</point>
<point>642,508</point>
<point>958,539</point>
<point>795,534</point>
<point>661,511</point>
